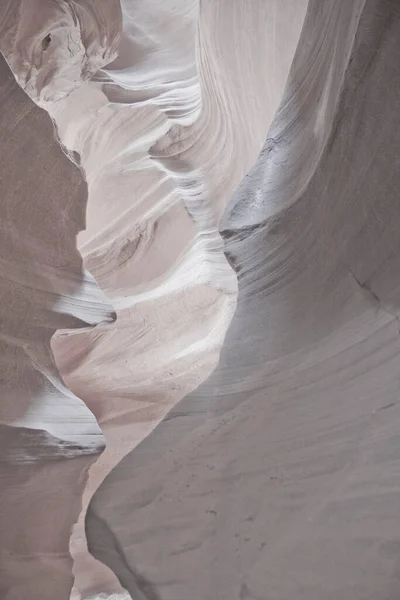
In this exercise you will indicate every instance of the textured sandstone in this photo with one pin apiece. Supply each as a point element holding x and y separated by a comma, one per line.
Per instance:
<point>277,476</point>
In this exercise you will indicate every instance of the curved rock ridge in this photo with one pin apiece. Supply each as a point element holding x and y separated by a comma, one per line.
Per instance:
<point>44,288</point>
<point>277,477</point>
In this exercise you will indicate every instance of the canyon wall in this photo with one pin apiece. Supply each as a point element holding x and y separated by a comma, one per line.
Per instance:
<point>245,325</point>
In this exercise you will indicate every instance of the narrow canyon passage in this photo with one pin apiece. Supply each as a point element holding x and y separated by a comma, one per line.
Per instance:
<point>227,325</point>
<point>278,477</point>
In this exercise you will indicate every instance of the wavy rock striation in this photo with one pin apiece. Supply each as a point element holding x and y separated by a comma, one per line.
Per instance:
<point>164,134</point>
<point>283,462</point>
<point>278,477</point>
<point>48,437</point>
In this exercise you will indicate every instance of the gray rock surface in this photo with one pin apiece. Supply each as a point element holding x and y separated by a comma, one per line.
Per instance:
<point>278,477</point>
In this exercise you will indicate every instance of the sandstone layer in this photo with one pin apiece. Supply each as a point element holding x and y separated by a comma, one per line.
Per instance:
<point>273,295</point>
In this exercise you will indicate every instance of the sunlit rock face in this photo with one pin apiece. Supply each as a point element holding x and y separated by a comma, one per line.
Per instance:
<point>281,464</point>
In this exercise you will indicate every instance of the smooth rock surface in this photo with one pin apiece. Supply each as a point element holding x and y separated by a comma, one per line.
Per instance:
<point>278,477</point>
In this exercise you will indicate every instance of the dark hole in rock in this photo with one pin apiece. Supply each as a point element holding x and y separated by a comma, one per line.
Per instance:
<point>46,41</point>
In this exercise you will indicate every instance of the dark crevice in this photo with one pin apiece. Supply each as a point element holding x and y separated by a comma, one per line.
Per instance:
<point>46,41</point>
